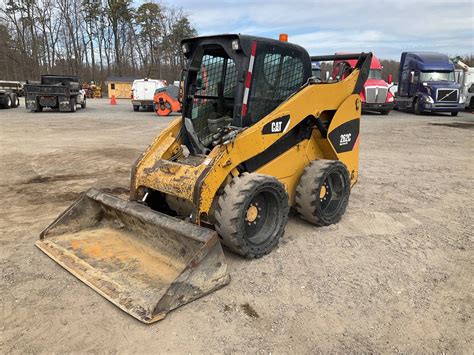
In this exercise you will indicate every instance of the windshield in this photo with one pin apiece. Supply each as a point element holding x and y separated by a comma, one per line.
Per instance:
<point>213,94</point>
<point>375,74</point>
<point>437,76</point>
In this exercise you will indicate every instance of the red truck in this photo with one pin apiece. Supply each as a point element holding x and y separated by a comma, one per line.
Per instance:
<point>375,95</point>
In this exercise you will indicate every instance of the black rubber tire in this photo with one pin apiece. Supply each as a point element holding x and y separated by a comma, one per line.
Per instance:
<point>417,107</point>
<point>454,114</point>
<point>231,214</point>
<point>15,101</point>
<point>72,104</point>
<point>136,108</point>
<point>308,202</point>
<point>8,102</point>
<point>84,104</point>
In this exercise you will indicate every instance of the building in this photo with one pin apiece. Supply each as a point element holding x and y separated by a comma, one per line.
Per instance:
<point>121,87</point>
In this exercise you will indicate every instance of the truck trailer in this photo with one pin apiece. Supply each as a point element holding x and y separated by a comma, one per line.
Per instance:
<point>10,92</point>
<point>426,83</point>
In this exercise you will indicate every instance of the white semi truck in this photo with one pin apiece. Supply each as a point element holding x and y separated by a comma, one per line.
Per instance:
<point>466,80</point>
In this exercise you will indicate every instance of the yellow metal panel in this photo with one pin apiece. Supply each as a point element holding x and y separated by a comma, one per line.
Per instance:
<point>349,110</point>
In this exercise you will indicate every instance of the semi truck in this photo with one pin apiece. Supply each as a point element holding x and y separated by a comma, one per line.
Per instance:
<point>375,95</point>
<point>316,69</point>
<point>466,80</point>
<point>60,92</point>
<point>426,83</point>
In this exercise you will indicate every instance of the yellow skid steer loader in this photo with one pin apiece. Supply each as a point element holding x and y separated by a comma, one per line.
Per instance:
<point>257,135</point>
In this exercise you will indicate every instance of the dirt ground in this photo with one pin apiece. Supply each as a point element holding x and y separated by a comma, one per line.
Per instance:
<point>395,275</point>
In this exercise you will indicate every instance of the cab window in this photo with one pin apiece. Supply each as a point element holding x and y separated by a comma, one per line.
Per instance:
<point>276,75</point>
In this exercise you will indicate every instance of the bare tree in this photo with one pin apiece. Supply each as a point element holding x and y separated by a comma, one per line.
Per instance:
<point>91,38</point>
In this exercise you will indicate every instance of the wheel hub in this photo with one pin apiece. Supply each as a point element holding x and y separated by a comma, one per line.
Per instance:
<point>252,214</point>
<point>323,192</point>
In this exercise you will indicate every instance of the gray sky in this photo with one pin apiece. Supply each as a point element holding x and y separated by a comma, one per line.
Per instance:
<point>322,26</point>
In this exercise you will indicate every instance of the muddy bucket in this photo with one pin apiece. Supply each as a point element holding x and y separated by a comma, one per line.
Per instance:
<point>145,262</point>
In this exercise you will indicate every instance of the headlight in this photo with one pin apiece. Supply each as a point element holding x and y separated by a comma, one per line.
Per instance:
<point>429,99</point>
<point>235,45</point>
<point>185,48</point>
<point>462,98</point>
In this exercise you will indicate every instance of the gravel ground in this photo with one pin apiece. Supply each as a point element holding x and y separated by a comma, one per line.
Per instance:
<point>395,275</point>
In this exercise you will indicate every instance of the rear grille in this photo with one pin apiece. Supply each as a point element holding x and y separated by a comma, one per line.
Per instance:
<point>447,95</point>
<point>375,94</point>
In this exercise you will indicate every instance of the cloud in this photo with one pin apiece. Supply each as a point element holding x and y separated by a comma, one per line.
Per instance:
<point>324,26</point>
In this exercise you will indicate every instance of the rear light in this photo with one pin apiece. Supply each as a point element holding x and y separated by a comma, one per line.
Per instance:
<point>283,37</point>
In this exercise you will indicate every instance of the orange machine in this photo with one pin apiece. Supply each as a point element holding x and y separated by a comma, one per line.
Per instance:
<point>166,100</point>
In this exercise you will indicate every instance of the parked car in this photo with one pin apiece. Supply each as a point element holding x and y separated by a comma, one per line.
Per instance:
<point>375,95</point>
<point>426,82</point>
<point>143,91</point>
<point>56,91</point>
<point>10,92</point>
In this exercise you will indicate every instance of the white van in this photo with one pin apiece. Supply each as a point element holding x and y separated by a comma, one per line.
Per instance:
<point>143,91</point>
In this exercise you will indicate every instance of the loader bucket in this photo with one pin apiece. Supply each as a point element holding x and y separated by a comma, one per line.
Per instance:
<point>145,262</point>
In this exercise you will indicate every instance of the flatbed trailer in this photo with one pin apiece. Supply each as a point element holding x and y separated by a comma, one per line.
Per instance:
<point>10,92</point>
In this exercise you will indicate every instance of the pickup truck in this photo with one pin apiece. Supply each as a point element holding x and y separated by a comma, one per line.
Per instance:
<point>55,91</point>
<point>426,82</point>
<point>10,92</point>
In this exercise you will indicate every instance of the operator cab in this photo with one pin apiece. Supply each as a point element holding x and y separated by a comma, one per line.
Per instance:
<point>233,81</point>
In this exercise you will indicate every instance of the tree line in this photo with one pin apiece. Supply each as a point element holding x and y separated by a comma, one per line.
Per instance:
<point>94,39</point>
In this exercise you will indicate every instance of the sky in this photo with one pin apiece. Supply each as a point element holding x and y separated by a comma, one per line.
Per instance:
<point>386,28</point>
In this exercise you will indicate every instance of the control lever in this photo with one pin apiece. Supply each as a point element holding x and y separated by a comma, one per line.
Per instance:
<point>225,135</point>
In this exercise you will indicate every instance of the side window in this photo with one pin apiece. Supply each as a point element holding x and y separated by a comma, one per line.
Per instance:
<point>112,86</point>
<point>275,77</point>
<point>403,85</point>
<point>210,75</point>
<point>271,66</point>
<point>416,77</point>
<point>336,71</point>
<point>230,79</point>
